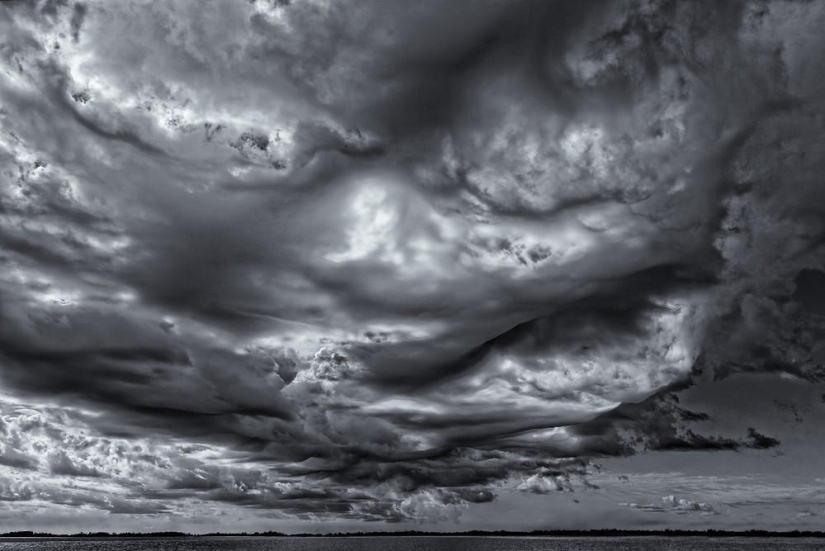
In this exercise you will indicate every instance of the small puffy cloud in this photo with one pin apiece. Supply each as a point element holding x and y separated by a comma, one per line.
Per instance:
<point>673,504</point>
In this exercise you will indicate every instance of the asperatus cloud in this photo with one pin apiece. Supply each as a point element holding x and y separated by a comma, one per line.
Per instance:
<point>314,265</point>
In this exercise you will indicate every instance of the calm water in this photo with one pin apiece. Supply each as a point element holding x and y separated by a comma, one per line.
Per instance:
<point>416,544</point>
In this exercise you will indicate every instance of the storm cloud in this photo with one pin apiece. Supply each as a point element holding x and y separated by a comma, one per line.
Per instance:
<point>378,261</point>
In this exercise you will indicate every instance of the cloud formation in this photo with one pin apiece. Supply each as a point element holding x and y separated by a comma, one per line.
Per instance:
<point>291,256</point>
<point>676,505</point>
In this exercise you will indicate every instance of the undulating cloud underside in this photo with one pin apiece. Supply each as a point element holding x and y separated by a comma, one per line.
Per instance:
<point>379,260</point>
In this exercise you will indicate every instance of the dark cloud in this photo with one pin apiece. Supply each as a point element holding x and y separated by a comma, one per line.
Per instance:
<point>325,267</point>
<point>13,458</point>
<point>61,464</point>
<point>808,291</point>
<point>760,441</point>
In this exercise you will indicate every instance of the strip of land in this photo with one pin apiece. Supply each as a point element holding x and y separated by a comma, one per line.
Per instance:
<point>604,533</point>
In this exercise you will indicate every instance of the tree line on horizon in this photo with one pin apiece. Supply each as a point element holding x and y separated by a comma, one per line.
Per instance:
<point>601,532</point>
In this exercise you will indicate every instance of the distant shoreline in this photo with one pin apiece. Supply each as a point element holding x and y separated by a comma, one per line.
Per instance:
<point>607,533</point>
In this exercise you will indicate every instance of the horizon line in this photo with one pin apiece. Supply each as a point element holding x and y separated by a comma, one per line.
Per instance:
<point>596,532</point>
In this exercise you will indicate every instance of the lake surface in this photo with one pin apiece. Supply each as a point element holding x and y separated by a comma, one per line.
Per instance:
<point>416,544</point>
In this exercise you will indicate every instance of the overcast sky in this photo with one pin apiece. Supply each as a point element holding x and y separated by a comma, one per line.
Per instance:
<point>375,265</point>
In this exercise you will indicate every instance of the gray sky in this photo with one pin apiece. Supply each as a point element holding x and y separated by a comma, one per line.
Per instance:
<point>375,265</point>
